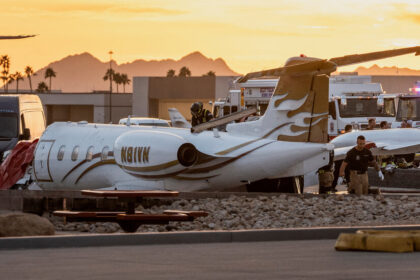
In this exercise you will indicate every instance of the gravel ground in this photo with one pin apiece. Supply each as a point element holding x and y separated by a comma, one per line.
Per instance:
<point>284,211</point>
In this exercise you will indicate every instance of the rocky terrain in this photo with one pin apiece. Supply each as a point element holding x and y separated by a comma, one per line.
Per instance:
<point>283,211</point>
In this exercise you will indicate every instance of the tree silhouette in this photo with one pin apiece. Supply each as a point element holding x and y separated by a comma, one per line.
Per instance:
<point>184,72</point>
<point>170,73</point>
<point>42,87</point>
<point>5,62</point>
<point>49,73</point>
<point>17,77</point>
<point>109,75</point>
<point>210,74</point>
<point>29,73</point>
<point>125,80</point>
<point>117,79</point>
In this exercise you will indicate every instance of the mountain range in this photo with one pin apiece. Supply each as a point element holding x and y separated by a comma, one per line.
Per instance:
<point>387,71</point>
<point>84,72</point>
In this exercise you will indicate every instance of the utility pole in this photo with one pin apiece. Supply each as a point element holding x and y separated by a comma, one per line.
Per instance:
<point>110,86</point>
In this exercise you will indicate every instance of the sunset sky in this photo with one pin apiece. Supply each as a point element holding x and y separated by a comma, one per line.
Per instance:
<point>248,35</point>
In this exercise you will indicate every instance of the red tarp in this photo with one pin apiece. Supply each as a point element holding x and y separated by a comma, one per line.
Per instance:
<point>14,167</point>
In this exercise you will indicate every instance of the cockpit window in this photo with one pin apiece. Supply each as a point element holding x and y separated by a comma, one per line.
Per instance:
<point>75,153</point>
<point>60,154</point>
<point>89,153</point>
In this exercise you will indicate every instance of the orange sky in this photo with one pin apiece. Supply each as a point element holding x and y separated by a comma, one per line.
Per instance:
<point>249,35</point>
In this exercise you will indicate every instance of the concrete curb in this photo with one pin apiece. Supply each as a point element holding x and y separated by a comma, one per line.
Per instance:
<point>191,237</point>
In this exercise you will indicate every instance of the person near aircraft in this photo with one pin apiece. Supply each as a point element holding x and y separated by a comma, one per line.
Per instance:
<point>199,114</point>
<point>371,124</point>
<point>384,125</point>
<point>326,177</point>
<point>348,128</point>
<point>358,159</point>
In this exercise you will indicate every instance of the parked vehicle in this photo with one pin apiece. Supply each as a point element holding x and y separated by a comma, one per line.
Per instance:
<point>21,118</point>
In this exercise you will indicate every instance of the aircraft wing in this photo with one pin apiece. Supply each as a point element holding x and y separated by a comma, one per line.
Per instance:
<point>327,65</point>
<point>359,58</point>
<point>16,37</point>
<point>382,149</point>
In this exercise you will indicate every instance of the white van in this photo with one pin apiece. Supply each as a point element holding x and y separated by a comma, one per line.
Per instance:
<point>21,118</point>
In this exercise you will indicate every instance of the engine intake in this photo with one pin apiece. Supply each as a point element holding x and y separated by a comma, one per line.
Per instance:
<point>187,154</point>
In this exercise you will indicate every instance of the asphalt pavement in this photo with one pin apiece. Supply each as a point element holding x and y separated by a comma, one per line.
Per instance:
<point>309,259</point>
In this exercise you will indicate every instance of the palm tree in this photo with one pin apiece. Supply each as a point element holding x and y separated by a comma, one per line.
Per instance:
<point>170,73</point>
<point>49,73</point>
<point>5,62</point>
<point>210,74</point>
<point>29,73</point>
<point>125,80</point>
<point>109,75</point>
<point>184,72</point>
<point>42,87</point>
<point>117,79</point>
<point>17,77</point>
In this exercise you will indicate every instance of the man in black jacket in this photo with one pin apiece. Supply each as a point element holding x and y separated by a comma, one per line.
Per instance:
<point>358,159</point>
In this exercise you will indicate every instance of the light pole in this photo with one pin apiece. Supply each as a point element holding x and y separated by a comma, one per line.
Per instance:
<point>110,86</point>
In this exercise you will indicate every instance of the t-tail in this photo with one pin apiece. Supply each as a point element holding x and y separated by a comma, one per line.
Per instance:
<point>298,110</point>
<point>177,119</point>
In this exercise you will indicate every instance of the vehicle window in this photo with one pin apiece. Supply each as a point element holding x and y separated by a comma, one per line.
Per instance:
<point>226,110</point>
<point>234,109</point>
<point>34,120</point>
<point>60,154</point>
<point>363,107</point>
<point>409,109</point>
<point>75,153</point>
<point>331,110</point>
<point>104,154</point>
<point>8,125</point>
<point>89,153</point>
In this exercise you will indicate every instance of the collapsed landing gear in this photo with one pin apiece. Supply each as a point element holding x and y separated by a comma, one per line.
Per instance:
<point>284,185</point>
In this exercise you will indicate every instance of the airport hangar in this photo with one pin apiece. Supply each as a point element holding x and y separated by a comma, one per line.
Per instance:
<point>152,96</point>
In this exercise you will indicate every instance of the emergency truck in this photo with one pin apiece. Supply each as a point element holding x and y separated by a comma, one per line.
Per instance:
<point>408,108</point>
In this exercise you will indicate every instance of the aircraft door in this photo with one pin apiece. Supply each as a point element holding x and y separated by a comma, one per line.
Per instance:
<point>42,161</point>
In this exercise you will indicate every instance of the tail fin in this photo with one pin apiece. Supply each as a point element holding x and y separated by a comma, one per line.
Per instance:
<point>178,119</point>
<point>298,110</point>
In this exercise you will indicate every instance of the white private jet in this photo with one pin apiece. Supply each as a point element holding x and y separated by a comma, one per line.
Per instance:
<point>288,141</point>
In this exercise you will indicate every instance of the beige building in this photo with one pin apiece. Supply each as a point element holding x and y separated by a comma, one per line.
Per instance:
<point>152,96</point>
<point>91,107</point>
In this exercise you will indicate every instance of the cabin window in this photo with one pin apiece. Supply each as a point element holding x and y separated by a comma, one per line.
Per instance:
<point>234,109</point>
<point>89,154</point>
<point>75,153</point>
<point>104,154</point>
<point>60,154</point>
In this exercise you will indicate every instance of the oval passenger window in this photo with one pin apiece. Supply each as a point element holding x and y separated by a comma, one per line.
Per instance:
<point>60,154</point>
<point>75,153</point>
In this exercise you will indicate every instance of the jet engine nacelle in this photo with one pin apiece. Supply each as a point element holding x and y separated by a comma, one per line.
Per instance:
<point>153,154</point>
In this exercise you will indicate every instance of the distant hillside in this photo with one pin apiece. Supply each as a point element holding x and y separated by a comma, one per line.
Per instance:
<point>84,72</point>
<point>377,70</point>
